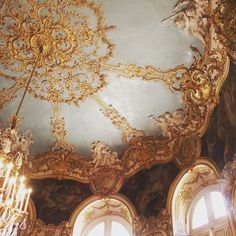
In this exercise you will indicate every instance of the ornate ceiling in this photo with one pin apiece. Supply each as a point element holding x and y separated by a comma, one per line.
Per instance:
<point>117,87</point>
<point>97,71</point>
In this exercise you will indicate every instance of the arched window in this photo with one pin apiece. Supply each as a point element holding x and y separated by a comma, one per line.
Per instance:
<point>109,225</point>
<point>103,217</point>
<point>197,203</point>
<point>208,214</point>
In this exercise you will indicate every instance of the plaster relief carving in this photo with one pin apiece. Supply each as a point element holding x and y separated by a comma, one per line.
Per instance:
<point>192,16</point>
<point>102,155</point>
<point>171,123</point>
<point>108,174</point>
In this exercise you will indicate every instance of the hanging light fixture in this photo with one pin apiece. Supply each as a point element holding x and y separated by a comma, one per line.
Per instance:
<point>14,195</point>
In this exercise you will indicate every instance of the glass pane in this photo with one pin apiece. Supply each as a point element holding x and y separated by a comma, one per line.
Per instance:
<point>117,229</point>
<point>97,230</point>
<point>200,214</point>
<point>218,205</point>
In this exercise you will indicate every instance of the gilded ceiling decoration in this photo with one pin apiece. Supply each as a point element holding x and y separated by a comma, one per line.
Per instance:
<point>50,32</point>
<point>66,47</point>
<point>59,131</point>
<point>56,37</point>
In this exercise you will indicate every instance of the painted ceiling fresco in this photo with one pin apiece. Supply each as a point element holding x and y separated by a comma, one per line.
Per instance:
<point>55,200</point>
<point>219,141</point>
<point>148,189</point>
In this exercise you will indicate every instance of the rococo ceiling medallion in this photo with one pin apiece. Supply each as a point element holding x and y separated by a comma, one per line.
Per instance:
<point>61,40</point>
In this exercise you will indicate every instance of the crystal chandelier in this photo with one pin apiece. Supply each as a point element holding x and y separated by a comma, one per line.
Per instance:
<point>14,196</point>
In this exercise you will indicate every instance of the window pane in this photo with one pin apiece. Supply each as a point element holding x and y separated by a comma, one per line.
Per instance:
<point>98,230</point>
<point>218,205</point>
<point>200,214</point>
<point>118,229</point>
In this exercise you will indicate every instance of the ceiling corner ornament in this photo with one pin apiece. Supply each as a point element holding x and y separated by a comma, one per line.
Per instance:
<point>225,23</point>
<point>71,50</point>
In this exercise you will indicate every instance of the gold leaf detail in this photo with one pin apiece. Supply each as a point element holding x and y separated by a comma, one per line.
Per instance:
<point>59,131</point>
<point>128,132</point>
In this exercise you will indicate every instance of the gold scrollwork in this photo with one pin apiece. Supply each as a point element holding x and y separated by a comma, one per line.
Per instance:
<point>186,192</point>
<point>199,85</point>
<point>8,94</point>
<point>59,131</point>
<point>149,73</point>
<point>67,44</point>
<point>120,122</point>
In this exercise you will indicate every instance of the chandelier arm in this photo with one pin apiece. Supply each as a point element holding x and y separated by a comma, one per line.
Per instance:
<point>26,89</point>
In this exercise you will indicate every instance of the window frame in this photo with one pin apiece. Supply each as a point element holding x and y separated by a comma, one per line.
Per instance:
<point>212,221</point>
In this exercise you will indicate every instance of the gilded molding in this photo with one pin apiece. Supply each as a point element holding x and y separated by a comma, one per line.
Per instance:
<point>104,171</point>
<point>68,47</point>
<point>59,165</point>
<point>149,73</point>
<point>59,131</point>
<point>8,94</point>
<point>197,176</point>
<point>128,132</point>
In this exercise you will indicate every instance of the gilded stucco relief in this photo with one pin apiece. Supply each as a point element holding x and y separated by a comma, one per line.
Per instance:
<point>69,60</point>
